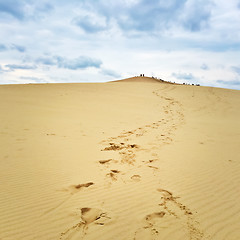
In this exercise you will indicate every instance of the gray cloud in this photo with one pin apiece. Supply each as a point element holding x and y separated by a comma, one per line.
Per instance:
<point>13,67</point>
<point>44,7</point>
<point>204,67</point>
<point>78,63</point>
<point>81,62</point>
<point>230,82</point>
<point>111,73</point>
<point>46,61</point>
<point>18,48</point>
<point>15,8</point>
<point>142,15</point>
<point>197,14</point>
<point>33,79</point>
<point>24,9</point>
<point>2,48</point>
<point>147,16</point>
<point>40,10</point>
<point>185,76</point>
<point>236,69</point>
<point>90,24</point>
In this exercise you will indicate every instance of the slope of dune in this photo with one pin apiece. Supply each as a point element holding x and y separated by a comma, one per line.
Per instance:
<point>135,159</point>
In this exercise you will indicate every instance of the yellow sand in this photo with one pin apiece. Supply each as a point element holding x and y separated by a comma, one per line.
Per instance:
<point>133,159</point>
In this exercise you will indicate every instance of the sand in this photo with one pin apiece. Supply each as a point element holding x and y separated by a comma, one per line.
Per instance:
<point>133,159</point>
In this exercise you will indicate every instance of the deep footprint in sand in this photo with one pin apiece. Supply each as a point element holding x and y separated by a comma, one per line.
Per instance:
<point>78,187</point>
<point>88,217</point>
<point>113,174</point>
<point>119,146</point>
<point>105,161</point>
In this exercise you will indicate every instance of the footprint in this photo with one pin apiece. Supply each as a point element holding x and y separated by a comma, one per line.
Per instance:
<point>128,157</point>
<point>113,174</point>
<point>151,226</point>
<point>88,216</point>
<point>79,186</point>
<point>133,146</point>
<point>180,212</point>
<point>156,168</point>
<point>76,188</point>
<point>105,161</point>
<point>136,178</point>
<point>117,147</point>
<point>150,217</point>
<point>113,147</point>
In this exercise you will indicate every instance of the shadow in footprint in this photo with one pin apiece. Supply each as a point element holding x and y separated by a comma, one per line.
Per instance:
<point>105,161</point>
<point>113,174</point>
<point>76,188</point>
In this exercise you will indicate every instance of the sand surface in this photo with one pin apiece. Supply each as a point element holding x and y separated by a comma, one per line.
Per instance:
<point>137,159</point>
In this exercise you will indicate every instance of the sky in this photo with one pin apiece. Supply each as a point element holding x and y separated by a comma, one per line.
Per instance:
<point>183,41</point>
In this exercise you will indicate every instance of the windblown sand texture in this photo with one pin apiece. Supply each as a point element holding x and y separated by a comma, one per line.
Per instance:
<point>133,159</point>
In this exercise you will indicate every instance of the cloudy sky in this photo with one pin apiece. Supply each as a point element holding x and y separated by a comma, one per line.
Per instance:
<point>192,41</point>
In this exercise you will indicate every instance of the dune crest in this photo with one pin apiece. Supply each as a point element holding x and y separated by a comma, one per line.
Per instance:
<point>141,80</point>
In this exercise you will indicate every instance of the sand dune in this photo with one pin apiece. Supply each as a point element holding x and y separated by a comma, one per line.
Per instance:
<point>132,159</point>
